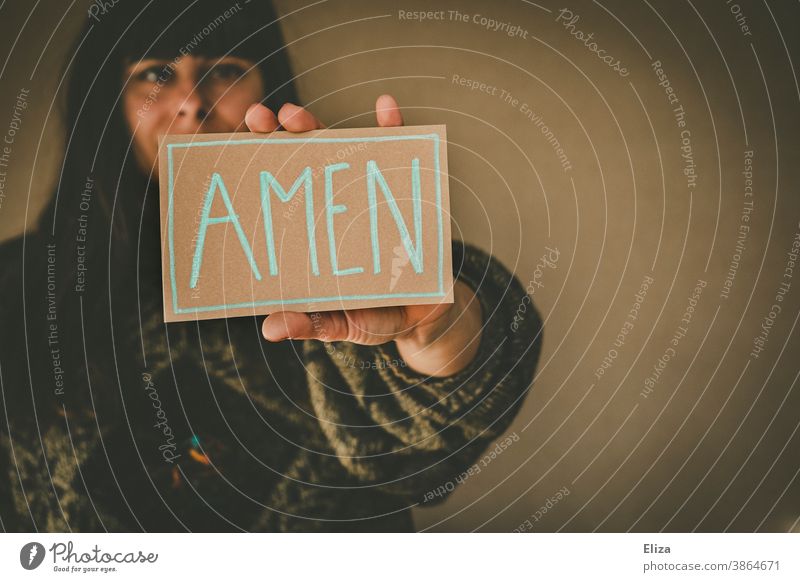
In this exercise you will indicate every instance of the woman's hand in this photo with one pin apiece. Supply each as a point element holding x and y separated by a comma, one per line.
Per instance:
<point>436,340</point>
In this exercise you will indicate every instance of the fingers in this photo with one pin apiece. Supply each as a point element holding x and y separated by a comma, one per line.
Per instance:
<point>388,112</point>
<point>260,119</point>
<point>361,326</point>
<point>297,119</point>
<point>328,326</point>
<point>286,325</point>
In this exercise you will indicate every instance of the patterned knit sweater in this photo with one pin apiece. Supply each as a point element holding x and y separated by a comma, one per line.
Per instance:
<point>111,420</point>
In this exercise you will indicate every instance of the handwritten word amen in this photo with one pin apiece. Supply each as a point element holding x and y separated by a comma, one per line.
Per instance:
<point>269,185</point>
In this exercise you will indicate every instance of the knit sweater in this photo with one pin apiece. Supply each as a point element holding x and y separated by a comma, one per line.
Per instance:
<point>112,420</point>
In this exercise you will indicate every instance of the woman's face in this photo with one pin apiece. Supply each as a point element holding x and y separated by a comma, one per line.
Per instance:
<point>192,95</point>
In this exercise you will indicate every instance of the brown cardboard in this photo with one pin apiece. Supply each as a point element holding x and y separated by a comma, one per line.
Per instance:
<point>207,269</point>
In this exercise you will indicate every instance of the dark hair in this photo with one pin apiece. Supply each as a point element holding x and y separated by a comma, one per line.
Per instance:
<point>100,183</point>
<point>97,139</point>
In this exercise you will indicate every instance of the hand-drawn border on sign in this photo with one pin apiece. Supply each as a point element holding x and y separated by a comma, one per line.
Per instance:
<point>228,143</point>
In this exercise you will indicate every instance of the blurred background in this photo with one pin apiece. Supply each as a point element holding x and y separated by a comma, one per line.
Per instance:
<point>635,163</point>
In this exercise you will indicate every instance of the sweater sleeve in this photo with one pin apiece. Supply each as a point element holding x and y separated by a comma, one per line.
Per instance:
<point>411,435</point>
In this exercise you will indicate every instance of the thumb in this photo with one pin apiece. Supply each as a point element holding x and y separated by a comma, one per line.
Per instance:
<point>293,325</point>
<point>387,112</point>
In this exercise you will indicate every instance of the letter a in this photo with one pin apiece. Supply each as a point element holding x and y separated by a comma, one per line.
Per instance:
<point>205,221</point>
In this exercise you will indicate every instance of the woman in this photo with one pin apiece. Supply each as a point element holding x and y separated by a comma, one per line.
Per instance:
<point>113,420</point>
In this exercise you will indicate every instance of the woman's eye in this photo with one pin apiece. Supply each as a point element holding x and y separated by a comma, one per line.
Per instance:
<point>226,72</point>
<point>149,75</point>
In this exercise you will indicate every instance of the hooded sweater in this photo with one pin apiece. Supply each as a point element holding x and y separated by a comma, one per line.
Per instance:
<point>112,420</point>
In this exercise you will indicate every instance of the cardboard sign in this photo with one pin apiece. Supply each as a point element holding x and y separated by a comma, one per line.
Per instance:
<point>328,219</point>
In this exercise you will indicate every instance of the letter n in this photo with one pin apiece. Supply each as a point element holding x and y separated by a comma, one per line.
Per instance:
<point>414,253</point>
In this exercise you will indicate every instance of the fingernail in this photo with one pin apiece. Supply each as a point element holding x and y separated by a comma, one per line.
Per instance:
<point>253,107</point>
<point>273,335</point>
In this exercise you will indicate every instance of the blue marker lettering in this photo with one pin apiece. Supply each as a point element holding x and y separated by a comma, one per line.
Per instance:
<point>331,210</point>
<point>269,181</point>
<point>205,221</point>
<point>414,253</point>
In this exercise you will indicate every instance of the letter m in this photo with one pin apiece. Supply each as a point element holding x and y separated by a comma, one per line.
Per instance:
<point>270,183</point>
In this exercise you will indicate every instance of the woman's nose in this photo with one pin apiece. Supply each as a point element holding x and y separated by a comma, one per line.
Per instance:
<point>191,105</point>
